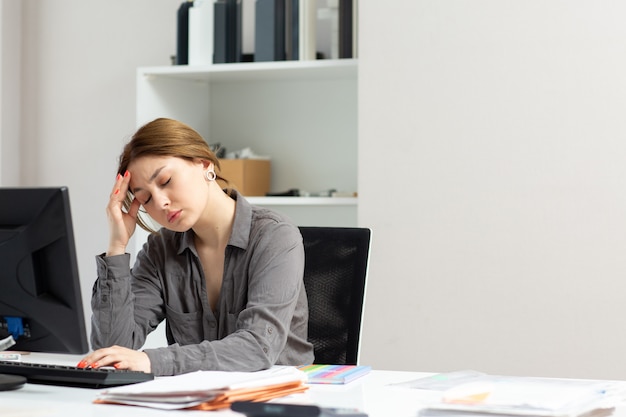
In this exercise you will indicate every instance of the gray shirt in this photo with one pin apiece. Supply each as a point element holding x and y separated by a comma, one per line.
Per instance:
<point>262,312</point>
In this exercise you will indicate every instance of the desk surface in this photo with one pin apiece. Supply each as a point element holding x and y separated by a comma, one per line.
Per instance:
<point>371,393</point>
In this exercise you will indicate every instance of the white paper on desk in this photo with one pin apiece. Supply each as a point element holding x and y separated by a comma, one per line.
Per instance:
<point>159,405</point>
<point>203,381</point>
<point>190,389</point>
<point>526,396</point>
<point>441,382</point>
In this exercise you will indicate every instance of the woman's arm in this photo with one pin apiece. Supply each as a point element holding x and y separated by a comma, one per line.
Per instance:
<point>125,308</point>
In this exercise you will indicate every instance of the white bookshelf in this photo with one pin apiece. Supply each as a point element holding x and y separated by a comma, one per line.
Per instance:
<point>258,71</point>
<point>304,201</point>
<point>302,114</point>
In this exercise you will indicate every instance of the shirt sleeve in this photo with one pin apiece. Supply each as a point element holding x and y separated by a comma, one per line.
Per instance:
<point>274,276</point>
<point>124,309</point>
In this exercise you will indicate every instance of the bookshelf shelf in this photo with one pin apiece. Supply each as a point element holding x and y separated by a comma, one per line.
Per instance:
<point>257,71</point>
<point>302,114</point>
<point>304,201</point>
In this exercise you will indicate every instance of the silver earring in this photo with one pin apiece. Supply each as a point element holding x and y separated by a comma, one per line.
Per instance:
<point>210,175</point>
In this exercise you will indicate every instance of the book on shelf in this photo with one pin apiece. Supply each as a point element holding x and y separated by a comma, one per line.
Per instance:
<point>292,30</point>
<point>335,31</point>
<point>346,20</point>
<point>200,41</point>
<point>334,374</point>
<point>225,31</point>
<point>270,41</point>
<point>220,32</point>
<point>307,14</point>
<point>182,33</point>
<point>324,29</point>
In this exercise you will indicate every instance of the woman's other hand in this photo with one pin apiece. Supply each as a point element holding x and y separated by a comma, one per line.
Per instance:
<point>121,224</point>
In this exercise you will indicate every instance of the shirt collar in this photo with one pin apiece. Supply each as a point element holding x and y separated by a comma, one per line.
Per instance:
<point>242,224</point>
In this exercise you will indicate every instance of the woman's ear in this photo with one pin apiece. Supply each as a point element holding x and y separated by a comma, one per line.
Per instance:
<point>206,164</point>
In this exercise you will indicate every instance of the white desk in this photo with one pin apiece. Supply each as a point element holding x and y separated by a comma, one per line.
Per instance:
<point>369,393</point>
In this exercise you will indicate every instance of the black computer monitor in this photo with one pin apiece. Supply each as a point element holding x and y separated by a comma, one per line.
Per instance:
<point>40,299</point>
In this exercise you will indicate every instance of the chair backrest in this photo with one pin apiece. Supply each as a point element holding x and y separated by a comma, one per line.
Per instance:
<point>335,273</point>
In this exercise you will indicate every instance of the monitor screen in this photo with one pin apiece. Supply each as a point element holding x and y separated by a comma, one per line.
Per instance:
<point>40,300</point>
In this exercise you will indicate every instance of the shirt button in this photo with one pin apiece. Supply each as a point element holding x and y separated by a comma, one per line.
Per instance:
<point>270,330</point>
<point>265,349</point>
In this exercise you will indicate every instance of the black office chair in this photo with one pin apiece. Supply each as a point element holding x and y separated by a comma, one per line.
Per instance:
<point>335,272</point>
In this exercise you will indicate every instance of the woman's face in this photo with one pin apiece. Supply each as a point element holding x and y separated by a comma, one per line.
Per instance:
<point>172,190</point>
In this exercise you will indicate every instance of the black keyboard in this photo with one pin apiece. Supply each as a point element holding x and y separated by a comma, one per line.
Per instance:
<point>73,376</point>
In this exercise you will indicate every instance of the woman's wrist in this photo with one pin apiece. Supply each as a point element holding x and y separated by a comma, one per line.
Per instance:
<point>115,250</point>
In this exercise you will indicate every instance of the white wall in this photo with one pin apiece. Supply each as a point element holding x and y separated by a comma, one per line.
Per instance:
<point>491,166</point>
<point>10,68</point>
<point>78,84</point>
<point>493,171</point>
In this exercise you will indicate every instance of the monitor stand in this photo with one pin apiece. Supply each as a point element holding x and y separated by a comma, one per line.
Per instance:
<point>9,382</point>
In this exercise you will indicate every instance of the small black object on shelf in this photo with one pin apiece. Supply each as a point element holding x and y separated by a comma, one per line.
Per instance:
<point>293,192</point>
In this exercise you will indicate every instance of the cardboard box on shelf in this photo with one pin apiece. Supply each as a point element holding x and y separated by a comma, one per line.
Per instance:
<point>251,177</point>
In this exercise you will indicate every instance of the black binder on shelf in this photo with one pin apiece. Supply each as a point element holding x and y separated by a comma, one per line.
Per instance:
<point>346,11</point>
<point>227,31</point>
<point>292,30</point>
<point>269,33</point>
<point>237,10</point>
<point>220,43</point>
<point>182,33</point>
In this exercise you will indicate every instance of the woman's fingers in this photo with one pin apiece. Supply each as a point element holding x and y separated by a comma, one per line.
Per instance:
<point>121,186</point>
<point>121,223</point>
<point>134,208</point>
<point>118,357</point>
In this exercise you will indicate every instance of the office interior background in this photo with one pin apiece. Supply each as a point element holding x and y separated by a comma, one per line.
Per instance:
<point>491,165</point>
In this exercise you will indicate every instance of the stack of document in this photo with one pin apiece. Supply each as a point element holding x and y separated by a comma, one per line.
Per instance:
<point>208,390</point>
<point>483,394</point>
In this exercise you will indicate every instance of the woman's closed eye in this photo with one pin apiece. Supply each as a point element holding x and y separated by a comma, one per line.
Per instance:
<point>148,197</point>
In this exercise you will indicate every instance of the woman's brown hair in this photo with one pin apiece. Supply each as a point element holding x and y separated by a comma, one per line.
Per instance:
<point>165,137</point>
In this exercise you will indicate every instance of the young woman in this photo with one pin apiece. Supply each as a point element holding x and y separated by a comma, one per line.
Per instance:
<point>225,275</point>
